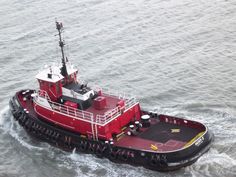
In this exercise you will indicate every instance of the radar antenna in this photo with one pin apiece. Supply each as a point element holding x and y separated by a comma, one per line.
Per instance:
<point>59,27</point>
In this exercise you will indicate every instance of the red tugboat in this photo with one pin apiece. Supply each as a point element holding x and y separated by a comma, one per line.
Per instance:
<point>67,113</point>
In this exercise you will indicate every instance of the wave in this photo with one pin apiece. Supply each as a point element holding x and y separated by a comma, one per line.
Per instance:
<point>89,165</point>
<point>214,163</point>
<point>3,113</point>
<point>9,126</point>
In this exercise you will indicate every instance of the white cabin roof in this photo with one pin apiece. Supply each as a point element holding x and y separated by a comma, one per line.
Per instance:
<point>56,73</point>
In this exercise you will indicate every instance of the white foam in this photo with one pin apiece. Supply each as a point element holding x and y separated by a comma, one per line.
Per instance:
<point>22,140</point>
<point>3,114</point>
<point>211,162</point>
<point>89,165</point>
<point>8,125</point>
<point>215,157</point>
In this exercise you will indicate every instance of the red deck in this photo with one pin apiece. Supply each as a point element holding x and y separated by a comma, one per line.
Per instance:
<point>136,142</point>
<point>160,135</point>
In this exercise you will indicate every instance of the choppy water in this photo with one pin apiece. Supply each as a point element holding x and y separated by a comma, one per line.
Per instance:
<point>178,57</point>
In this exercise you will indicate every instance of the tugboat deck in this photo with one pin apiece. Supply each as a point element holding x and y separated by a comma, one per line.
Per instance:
<point>160,137</point>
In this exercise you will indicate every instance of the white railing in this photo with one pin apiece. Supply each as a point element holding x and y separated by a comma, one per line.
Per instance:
<point>112,93</point>
<point>66,109</point>
<point>130,102</point>
<point>43,94</point>
<point>108,116</point>
<point>112,114</point>
<point>88,116</point>
<point>71,111</point>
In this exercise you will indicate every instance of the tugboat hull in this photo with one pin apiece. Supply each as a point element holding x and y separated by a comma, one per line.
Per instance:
<point>68,140</point>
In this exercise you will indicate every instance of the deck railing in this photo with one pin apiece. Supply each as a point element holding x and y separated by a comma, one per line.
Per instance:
<point>71,111</point>
<point>66,109</point>
<point>130,102</point>
<point>112,93</point>
<point>88,116</point>
<point>110,115</point>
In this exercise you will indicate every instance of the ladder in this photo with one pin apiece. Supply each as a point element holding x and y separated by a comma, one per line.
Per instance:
<point>94,129</point>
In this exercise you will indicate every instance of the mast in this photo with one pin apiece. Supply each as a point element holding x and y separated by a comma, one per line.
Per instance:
<point>59,27</point>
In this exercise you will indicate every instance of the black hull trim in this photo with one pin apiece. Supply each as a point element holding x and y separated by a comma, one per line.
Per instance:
<point>69,141</point>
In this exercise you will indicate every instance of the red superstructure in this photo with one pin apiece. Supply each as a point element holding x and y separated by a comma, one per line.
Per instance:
<point>65,101</point>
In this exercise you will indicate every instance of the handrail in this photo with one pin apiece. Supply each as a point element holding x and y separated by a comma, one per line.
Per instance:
<point>88,116</point>
<point>66,109</point>
<point>130,102</point>
<point>113,93</point>
<point>109,115</point>
<point>71,111</point>
<point>43,93</point>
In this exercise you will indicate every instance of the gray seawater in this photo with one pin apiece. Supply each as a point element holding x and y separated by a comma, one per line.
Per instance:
<point>177,57</point>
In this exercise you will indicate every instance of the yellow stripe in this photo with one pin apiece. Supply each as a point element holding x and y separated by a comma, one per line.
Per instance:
<point>194,139</point>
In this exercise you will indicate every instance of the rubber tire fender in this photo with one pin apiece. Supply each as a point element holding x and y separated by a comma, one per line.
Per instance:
<point>83,145</point>
<point>113,154</point>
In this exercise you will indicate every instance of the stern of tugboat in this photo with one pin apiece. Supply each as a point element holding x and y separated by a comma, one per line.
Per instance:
<point>168,143</point>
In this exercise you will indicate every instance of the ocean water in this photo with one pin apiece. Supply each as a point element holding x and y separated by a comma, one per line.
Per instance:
<point>177,57</point>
